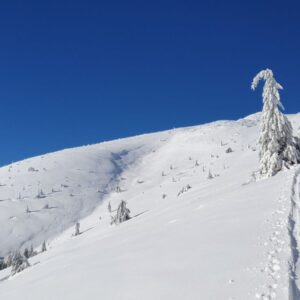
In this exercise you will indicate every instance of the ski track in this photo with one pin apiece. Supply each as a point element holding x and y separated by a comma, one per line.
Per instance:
<point>284,238</point>
<point>293,229</point>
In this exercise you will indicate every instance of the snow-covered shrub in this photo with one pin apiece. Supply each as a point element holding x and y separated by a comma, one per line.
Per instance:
<point>41,194</point>
<point>123,214</point>
<point>53,190</point>
<point>277,144</point>
<point>32,252</point>
<point>26,253</point>
<point>209,176</point>
<point>8,259</point>
<point>32,169</point>
<point>118,189</point>
<point>19,263</point>
<point>184,189</point>
<point>2,263</point>
<point>228,150</point>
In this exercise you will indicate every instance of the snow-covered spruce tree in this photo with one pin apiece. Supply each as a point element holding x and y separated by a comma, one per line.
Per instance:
<point>44,248</point>
<point>19,263</point>
<point>278,147</point>
<point>122,214</point>
<point>8,260</point>
<point>109,207</point>
<point>77,229</point>
<point>26,253</point>
<point>32,252</point>
<point>2,263</point>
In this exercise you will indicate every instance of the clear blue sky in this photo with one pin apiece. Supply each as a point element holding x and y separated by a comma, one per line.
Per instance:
<point>80,72</point>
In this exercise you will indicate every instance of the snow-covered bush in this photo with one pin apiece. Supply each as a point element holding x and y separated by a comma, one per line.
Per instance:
<point>41,194</point>
<point>123,214</point>
<point>277,144</point>
<point>26,253</point>
<point>32,252</point>
<point>209,176</point>
<point>8,259</point>
<point>228,150</point>
<point>118,189</point>
<point>32,169</point>
<point>184,189</point>
<point>19,263</point>
<point>2,263</point>
<point>46,206</point>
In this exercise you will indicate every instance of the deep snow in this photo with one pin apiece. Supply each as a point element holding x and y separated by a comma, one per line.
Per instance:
<point>224,238</point>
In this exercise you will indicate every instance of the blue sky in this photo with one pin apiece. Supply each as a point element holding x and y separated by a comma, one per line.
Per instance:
<point>80,72</point>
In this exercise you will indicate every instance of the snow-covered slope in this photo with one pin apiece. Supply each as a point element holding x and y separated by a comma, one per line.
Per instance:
<point>222,238</point>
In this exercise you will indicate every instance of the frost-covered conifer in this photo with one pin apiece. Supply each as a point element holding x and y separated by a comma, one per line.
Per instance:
<point>44,248</point>
<point>46,206</point>
<point>77,228</point>
<point>228,150</point>
<point>2,263</point>
<point>118,189</point>
<point>8,260</point>
<point>277,144</point>
<point>26,253</point>
<point>184,189</point>
<point>109,207</point>
<point>209,176</point>
<point>32,252</point>
<point>19,263</point>
<point>41,194</point>
<point>122,213</point>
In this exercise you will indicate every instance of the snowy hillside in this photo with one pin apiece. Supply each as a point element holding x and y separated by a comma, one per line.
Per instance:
<point>191,236</point>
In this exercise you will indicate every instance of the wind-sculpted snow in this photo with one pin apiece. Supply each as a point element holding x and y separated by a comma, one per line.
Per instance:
<point>42,196</point>
<point>190,235</point>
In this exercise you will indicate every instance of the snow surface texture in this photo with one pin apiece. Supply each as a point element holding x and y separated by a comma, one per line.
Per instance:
<point>191,236</point>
